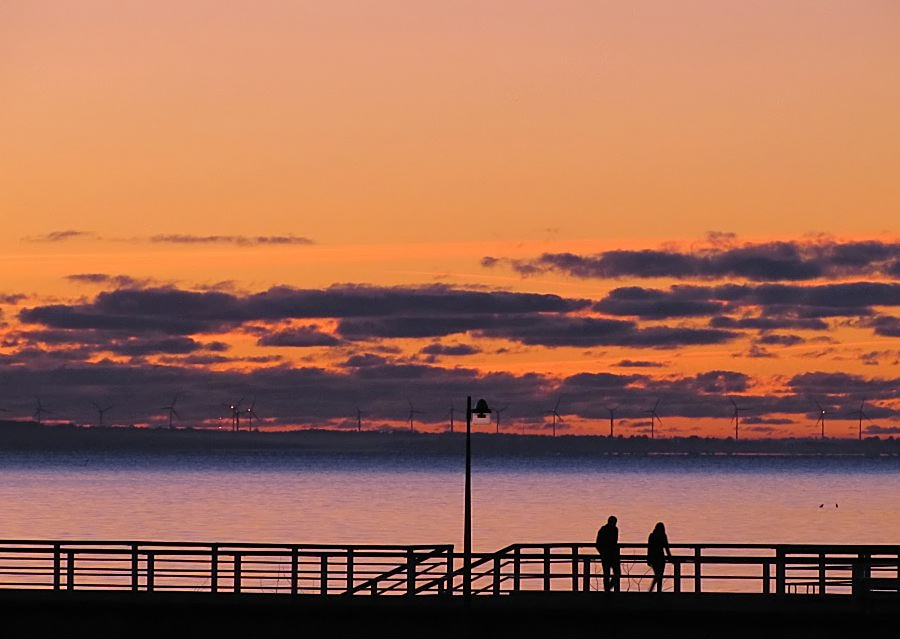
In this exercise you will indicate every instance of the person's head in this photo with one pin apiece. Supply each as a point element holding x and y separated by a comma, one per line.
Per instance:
<point>612,520</point>
<point>660,527</point>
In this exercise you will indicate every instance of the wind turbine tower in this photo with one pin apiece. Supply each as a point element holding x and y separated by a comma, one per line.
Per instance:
<point>171,409</point>
<point>736,417</point>
<point>39,410</point>
<point>497,411</point>
<point>251,415</point>
<point>554,412</point>
<point>412,413</point>
<point>862,415</point>
<point>235,409</point>
<point>100,412</point>
<point>654,418</point>
<point>612,418</point>
<point>821,419</point>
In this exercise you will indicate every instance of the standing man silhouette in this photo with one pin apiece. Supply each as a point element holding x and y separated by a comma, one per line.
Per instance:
<point>608,546</point>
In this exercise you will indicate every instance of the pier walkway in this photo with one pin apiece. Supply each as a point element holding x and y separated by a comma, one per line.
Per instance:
<point>200,589</point>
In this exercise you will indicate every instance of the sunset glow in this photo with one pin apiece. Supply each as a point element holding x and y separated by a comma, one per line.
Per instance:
<point>357,214</point>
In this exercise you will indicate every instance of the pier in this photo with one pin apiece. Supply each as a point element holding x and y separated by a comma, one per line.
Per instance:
<point>391,591</point>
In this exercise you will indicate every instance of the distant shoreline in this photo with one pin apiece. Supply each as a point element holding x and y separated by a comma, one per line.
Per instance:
<point>30,436</point>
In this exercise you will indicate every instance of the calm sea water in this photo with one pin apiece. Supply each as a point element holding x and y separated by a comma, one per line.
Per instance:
<point>314,498</point>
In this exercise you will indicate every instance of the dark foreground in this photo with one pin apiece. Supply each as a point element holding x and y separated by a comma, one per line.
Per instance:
<point>544,615</point>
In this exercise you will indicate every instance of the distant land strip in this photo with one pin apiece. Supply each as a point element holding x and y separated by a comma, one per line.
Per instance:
<point>23,435</point>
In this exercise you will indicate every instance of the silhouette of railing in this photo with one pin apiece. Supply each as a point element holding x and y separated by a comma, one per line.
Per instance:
<point>375,570</point>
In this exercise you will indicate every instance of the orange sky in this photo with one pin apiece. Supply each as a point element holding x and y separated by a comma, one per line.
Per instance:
<point>240,146</point>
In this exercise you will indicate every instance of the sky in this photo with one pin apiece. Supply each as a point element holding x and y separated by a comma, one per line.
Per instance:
<point>646,218</point>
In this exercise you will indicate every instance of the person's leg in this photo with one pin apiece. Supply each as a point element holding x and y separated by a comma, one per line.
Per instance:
<point>658,570</point>
<point>654,580</point>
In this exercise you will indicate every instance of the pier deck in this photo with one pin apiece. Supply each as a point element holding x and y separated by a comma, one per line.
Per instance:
<point>172,589</point>
<point>536,614</point>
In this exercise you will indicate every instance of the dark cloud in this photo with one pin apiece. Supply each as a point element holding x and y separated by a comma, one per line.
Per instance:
<point>770,261</point>
<point>821,385</point>
<point>885,325</point>
<point>632,363</point>
<point>12,298</point>
<point>59,236</point>
<point>654,304</point>
<point>90,342</point>
<point>181,312</point>
<point>119,281</point>
<point>875,429</point>
<point>364,360</point>
<point>587,332</point>
<point>780,305</point>
<point>143,347</point>
<point>238,240</point>
<point>311,396</point>
<point>768,323</point>
<point>301,336</point>
<point>780,340</point>
<point>453,350</point>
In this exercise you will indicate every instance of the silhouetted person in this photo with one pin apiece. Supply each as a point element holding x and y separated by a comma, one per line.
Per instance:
<point>608,546</point>
<point>657,551</point>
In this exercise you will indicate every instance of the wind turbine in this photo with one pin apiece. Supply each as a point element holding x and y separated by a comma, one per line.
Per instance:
<point>736,417</point>
<point>451,417</point>
<point>654,417</point>
<point>412,412</point>
<point>100,412</point>
<point>235,408</point>
<point>171,409</point>
<point>612,416</point>
<point>358,420</point>
<point>861,414</point>
<point>821,419</point>
<point>40,410</point>
<point>251,415</point>
<point>555,413</point>
<point>498,411</point>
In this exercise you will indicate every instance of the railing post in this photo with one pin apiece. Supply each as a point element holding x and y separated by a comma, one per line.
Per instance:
<point>822,580</point>
<point>517,569</point>
<point>766,577</point>
<point>323,575</point>
<point>70,570</point>
<point>586,577</point>
<point>546,568</point>
<point>410,572</point>
<point>57,567</point>
<point>676,576</point>
<point>698,562</point>
<point>780,570</point>
<point>350,577</point>
<point>237,571</point>
<point>295,569</point>
<point>135,568</point>
<point>497,565</point>
<point>214,568</point>
<point>574,568</point>
<point>151,557</point>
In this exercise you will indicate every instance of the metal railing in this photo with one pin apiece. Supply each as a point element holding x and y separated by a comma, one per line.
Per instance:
<point>375,570</point>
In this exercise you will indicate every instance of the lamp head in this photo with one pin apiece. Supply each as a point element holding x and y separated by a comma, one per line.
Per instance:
<point>481,414</point>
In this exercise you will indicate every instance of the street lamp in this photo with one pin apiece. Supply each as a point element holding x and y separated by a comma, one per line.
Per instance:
<point>481,414</point>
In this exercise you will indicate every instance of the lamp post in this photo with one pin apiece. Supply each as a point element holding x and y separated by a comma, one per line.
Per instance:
<point>481,413</point>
